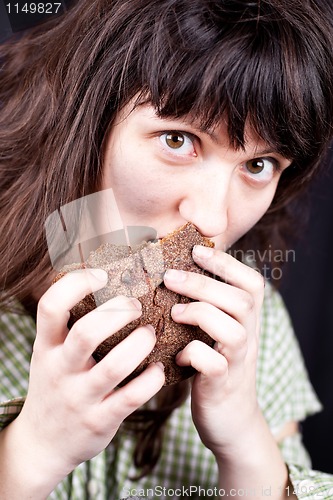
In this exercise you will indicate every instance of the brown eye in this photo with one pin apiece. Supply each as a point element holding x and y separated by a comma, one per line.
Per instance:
<point>174,140</point>
<point>178,144</point>
<point>261,170</point>
<point>255,166</point>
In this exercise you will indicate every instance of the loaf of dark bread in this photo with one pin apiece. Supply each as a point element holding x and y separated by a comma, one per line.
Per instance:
<point>138,272</point>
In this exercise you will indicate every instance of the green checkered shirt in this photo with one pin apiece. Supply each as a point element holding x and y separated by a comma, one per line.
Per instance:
<point>186,468</point>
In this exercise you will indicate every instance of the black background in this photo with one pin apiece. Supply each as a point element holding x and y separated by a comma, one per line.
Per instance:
<point>307,288</point>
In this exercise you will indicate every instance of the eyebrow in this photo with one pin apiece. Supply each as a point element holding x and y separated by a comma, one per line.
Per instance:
<point>256,152</point>
<point>215,138</point>
<point>266,152</point>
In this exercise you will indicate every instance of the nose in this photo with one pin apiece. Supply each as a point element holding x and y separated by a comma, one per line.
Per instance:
<point>206,203</point>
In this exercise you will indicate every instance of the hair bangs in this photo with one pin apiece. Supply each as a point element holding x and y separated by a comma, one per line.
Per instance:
<point>256,76</point>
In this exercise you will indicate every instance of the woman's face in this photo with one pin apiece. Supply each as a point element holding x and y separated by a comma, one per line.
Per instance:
<point>166,172</point>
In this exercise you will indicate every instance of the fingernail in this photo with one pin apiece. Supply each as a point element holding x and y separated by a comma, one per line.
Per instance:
<point>202,252</point>
<point>99,274</point>
<point>136,303</point>
<point>160,365</point>
<point>178,355</point>
<point>178,308</point>
<point>175,275</point>
<point>151,329</point>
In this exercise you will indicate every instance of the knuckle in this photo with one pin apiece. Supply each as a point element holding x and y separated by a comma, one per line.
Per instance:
<point>222,365</point>
<point>201,310</point>
<point>71,403</point>
<point>93,425</point>
<point>80,336</point>
<point>202,281</point>
<point>131,400</point>
<point>193,347</point>
<point>246,304</point>
<point>111,373</point>
<point>219,368</point>
<point>258,282</point>
<point>45,308</point>
<point>196,282</point>
<point>240,338</point>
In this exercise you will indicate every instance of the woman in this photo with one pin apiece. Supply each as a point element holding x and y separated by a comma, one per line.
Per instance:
<point>211,112</point>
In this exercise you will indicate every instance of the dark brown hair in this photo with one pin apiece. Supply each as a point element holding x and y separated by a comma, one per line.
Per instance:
<point>265,64</point>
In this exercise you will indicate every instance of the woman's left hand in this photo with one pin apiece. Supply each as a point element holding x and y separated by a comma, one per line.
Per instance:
<point>224,400</point>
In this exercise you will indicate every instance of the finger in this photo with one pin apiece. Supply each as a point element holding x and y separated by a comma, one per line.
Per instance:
<point>229,334</point>
<point>230,270</point>
<point>54,306</point>
<point>208,362</point>
<point>135,393</point>
<point>236,302</point>
<point>121,361</point>
<point>93,328</point>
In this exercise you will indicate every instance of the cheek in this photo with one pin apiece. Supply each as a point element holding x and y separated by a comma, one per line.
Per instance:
<point>136,188</point>
<point>246,214</point>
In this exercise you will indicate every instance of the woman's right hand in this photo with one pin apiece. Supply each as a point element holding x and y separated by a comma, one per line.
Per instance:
<point>73,407</point>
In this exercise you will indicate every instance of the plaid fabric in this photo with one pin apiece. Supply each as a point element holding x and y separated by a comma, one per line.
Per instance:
<point>310,485</point>
<point>9,411</point>
<point>186,468</point>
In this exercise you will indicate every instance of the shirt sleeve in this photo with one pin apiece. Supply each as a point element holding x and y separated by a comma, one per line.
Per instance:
<point>17,333</point>
<point>286,394</point>
<point>284,391</point>
<point>310,484</point>
<point>9,410</point>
